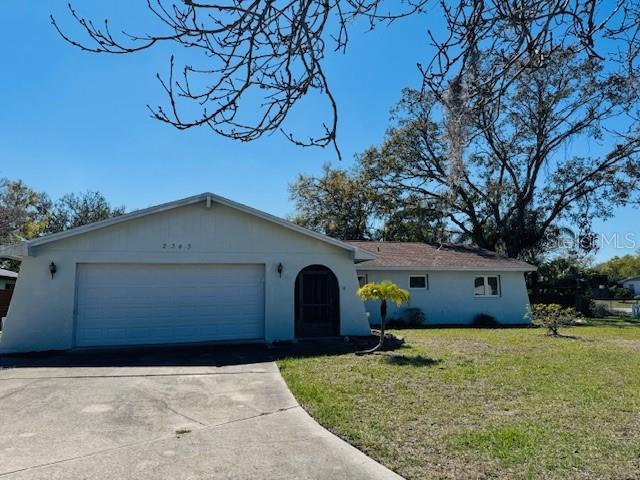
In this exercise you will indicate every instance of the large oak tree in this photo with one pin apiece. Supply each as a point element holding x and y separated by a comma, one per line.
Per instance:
<point>559,147</point>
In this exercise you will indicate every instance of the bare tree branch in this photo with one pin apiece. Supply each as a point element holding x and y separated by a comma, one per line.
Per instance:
<point>268,49</point>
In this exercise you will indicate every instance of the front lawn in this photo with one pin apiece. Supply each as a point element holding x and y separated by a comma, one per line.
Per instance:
<point>471,403</point>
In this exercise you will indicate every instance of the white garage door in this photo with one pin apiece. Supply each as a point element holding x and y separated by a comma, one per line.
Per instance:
<point>136,304</point>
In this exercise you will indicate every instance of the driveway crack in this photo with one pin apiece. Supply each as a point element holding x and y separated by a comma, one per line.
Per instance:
<point>166,406</point>
<point>17,390</point>
<point>144,442</point>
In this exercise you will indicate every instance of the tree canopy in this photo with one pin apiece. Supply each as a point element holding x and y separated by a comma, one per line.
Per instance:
<point>26,213</point>
<point>74,210</point>
<point>23,211</point>
<point>512,177</point>
<point>619,268</point>
<point>383,292</point>
<point>344,204</point>
<point>511,182</point>
<point>339,203</point>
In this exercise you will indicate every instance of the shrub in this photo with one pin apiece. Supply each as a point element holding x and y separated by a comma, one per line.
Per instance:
<point>415,317</point>
<point>598,310</point>
<point>407,317</point>
<point>552,316</point>
<point>584,304</point>
<point>483,320</point>
<point>622,293</point>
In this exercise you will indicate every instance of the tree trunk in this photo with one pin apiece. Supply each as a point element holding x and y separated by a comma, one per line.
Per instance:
<point>383,318</point>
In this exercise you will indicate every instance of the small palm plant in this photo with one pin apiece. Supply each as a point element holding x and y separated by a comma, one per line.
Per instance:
<point>384,292</point>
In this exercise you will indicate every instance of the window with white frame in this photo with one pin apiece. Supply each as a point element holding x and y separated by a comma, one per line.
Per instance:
<point>362,279</point>
<point>487,286</point>
<point>418,282</point>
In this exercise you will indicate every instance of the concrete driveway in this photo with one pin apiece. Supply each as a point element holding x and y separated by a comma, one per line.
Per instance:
<point>181,414</point>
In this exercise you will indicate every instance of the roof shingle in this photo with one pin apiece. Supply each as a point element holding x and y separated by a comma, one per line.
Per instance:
<point>437,257</point>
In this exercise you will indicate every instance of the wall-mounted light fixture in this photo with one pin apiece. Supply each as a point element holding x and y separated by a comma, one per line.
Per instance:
<point>53,269</point>
<point>280,268</point>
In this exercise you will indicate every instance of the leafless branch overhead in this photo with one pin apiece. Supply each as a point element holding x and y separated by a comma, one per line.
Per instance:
<point>270,48</point>
<point>273,51</point>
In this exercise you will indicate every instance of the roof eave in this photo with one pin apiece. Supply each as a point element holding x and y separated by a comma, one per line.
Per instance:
<point>361,255</point>
<point>432,268</point>
<point>630,279</point>
<point>14,252</point>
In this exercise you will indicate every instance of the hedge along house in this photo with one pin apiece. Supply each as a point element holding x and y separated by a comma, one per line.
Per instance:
<point>200,269</point>
<point>450,284</point>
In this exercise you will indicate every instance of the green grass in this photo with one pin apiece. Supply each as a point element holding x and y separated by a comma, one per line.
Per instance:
<point>470,403</point>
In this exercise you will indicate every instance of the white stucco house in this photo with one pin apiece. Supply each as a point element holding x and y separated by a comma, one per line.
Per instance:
<point>207,269</point>
<point>450,284</point>
<point>632,284</point>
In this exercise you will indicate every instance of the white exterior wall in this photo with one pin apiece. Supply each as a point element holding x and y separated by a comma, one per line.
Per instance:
<point>41,315</point>
<point>633,285</point>
<point>450,298</point>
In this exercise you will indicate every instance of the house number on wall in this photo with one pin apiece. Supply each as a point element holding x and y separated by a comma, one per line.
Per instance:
<point>176,246</point>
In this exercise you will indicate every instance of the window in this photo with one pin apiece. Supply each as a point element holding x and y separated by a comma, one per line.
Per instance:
<point>362,280</point>
<point>486,286</point>
<point>9,286</point>
<point>418,282</point>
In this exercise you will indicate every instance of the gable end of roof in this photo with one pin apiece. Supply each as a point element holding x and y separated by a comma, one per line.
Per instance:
<point>358,253</point>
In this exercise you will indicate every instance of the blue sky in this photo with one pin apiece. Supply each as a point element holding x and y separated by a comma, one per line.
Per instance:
<point>73,121</point>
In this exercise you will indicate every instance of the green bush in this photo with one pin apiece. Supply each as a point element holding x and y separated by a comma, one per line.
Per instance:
<point>621,293</point>
<point>408,317</point>
<point>584,304</point>
<point>415,317</point>
<point>552,316</point>
<point>598,310</point>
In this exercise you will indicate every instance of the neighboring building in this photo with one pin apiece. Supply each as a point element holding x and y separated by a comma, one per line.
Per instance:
<point>206,269</point>
<point>632,284</point>
<point>7,279</point>
<point>451,284</point>
<point>7,284</point>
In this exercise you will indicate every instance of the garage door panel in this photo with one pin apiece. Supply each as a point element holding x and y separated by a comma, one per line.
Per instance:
<point>224,306</point>
<point>125,304</point>
<point>201,295</point>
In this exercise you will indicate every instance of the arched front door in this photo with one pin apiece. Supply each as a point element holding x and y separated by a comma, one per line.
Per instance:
<point>317,303</point>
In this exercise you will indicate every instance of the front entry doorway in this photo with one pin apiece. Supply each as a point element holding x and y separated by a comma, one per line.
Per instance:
<point>317,303</point>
